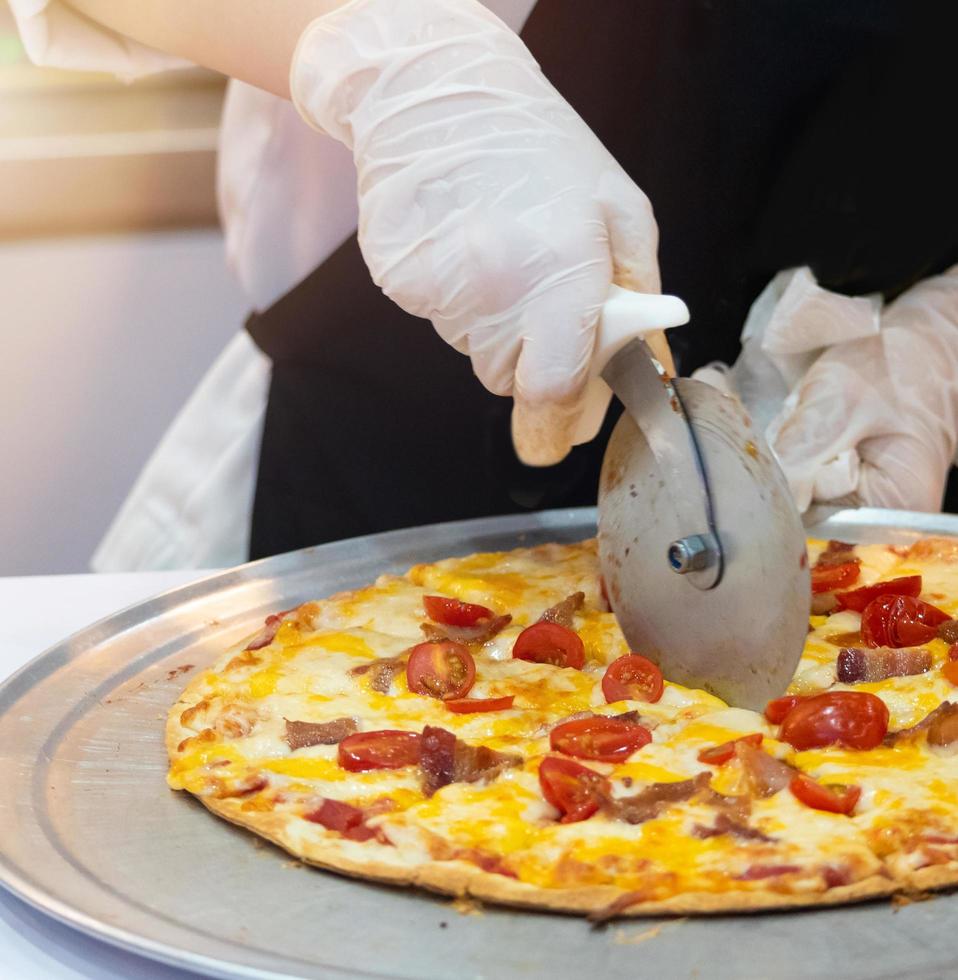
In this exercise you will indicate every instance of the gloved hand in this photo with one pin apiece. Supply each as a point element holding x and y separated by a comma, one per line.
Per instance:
<point>486,204</point>
<point>869,420</point>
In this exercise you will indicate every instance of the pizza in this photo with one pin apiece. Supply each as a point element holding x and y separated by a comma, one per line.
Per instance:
<point>478,726</point>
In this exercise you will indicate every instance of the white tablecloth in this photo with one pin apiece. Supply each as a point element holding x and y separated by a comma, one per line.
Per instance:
<point>35,613</point>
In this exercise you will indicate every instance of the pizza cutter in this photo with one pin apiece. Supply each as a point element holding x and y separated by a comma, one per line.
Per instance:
<point>701,547</point>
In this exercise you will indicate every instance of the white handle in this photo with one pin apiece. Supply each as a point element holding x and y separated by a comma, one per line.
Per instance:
<point>624,315</point>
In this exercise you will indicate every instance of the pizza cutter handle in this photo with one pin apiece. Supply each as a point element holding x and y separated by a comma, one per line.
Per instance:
<point>625,315</point>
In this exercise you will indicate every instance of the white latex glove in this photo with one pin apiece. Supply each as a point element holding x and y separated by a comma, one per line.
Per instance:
<point>486,204</point>
<point>861,404</point>
<point>886,404</point>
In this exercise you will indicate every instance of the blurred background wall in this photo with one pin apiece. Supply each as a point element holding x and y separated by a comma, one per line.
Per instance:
<point>114,296</point>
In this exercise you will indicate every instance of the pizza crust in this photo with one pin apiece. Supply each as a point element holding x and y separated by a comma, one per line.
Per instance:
<point>460,879</point>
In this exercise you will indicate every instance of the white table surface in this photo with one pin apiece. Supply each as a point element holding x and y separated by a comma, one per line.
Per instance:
<point>36,612</point>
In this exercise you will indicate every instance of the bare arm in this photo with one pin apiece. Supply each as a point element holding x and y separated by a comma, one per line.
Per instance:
<point>252,40</point>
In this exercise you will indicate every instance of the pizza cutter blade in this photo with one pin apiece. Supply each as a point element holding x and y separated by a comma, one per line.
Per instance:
<point>701,546</point>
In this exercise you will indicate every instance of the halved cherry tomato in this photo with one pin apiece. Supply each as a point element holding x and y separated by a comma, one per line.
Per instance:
<point>575,791</point>
<point>900,621</point>
<point>832,799</point>
<point>828,578</point>
<point>775,711</point>
<point>599,739</point>
<point>454,612</point>
<point>852,719</point>
<point>718,755</point>
<point>386,749</point>
<point>442,670</point>
<point>950,671</point>
<point>467,706</point>
<point>632,678</point>
<point>550,643</point>
<point>858,599</point>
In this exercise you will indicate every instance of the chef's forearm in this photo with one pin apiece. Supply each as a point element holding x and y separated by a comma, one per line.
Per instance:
<point>252,40</point>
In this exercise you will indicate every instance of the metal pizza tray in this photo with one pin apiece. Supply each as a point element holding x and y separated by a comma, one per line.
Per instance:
<point>90,834</point>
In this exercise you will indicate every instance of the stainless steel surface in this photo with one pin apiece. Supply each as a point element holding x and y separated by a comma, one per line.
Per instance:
<point>90,834</point>
<point>653,400</point>
<point>743,637</point>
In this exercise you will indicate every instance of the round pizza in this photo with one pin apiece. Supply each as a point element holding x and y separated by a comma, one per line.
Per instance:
<point>478,726</point>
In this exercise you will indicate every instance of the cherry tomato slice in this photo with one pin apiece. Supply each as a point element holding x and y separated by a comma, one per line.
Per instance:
<point>828,578</point>
<point>632,678</point>
<point>443,670</point>
<point>858,599</point>
<point>575,791</point>
<point>599,739</point>
<point>775,711</point>
<point>950,670</point>
<point>852,719</point>
<point>832,799</point>
<point>386,749</point>
<point>454,612</point>
<point>900,621</point>
<point>550,643</point>
<point>718,755</point>
<point>468,706</point>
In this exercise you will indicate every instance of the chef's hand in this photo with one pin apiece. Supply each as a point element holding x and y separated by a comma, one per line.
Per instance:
<point>486,204</point>
<point>880,415</point>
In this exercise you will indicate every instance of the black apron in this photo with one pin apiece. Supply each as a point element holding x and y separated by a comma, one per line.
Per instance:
<point>767,133</point>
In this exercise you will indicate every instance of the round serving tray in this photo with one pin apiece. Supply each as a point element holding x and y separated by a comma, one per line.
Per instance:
<point>90,834</point>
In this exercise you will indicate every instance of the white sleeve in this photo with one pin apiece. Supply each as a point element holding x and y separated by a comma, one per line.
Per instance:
<point>57,36</point>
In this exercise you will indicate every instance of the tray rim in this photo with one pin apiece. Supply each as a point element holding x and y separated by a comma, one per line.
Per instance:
<point>44,900</point>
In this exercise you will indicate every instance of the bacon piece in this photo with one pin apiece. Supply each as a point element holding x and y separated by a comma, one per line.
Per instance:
<point>268,633</point>
<point>345,819</point>
<point>244,786</point>
<point>484,630</point>
<point>382,672</point>
<point>836,553</point>
<point>655,798</point>
<point>940,727</point>
<point>442,850</point>
<point>758,872</point>
<point>764,774</point>
<point>870,664</point>
<point>835,877</point>
<point>724,824</point>
<point>302,734</point>
<point>563,613</point>
<point>635,718</point>
<point>445,759</point>
<point>943,729</point>
<point>437,758</point>
<point>824,603</point>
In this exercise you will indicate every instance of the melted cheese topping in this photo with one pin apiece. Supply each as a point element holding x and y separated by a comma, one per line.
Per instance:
<point>232,723</point>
